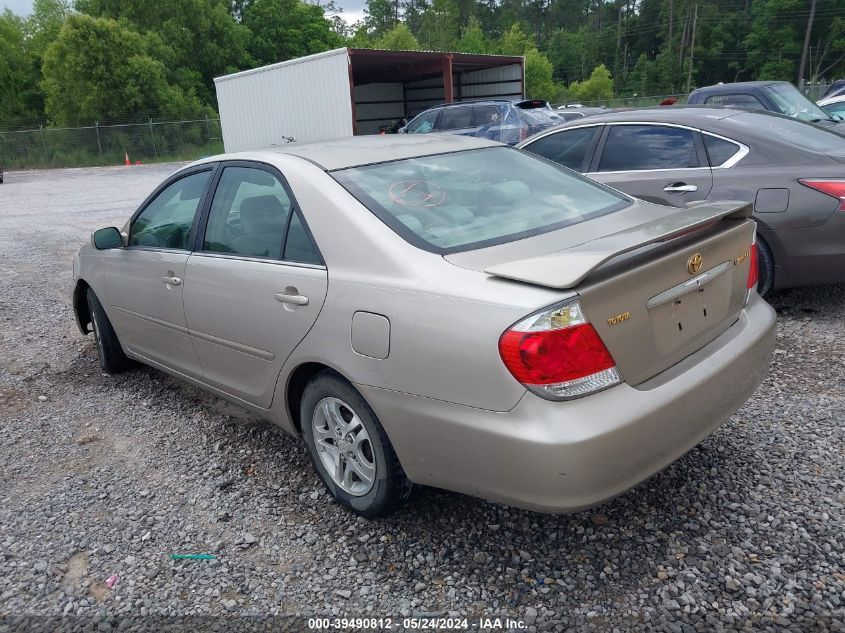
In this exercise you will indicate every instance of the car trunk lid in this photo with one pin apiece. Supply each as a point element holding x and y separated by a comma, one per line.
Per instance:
<point>657,291</point>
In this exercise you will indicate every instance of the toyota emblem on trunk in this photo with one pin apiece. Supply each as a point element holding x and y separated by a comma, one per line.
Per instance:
<point>694,263</point>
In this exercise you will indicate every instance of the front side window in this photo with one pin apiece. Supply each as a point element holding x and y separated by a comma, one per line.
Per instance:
<point>166,221</point>
<point>456,118</point>
<point>423,124</point>
<point>568,148</point>
<point>475,198</point>
<point>637,147</point>
<point>249,214</point>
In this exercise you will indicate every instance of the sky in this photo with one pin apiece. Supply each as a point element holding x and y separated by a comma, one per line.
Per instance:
<point>20,7</point>
<point>353,10</point>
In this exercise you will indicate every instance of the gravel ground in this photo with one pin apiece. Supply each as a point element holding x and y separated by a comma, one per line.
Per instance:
<point>109,475</point>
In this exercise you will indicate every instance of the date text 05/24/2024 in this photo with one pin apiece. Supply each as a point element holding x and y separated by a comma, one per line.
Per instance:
<point>492,623</point>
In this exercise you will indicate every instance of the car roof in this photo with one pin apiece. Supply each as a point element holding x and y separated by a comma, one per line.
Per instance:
<point>356,151</point>
<point>657,114</point>
<point>830,100</point>
<point>739,84</point>
<point>464,103</point>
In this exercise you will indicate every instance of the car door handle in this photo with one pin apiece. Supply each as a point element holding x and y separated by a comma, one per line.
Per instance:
<point>297,300</point>
<point>172,281</point>
<point>680,187</point>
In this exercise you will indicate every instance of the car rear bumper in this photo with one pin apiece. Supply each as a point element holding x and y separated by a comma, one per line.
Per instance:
<point>809,256</point>
<point>566,456</point>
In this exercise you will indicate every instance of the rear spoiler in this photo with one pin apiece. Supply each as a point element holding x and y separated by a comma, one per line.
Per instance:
<point>568,268</point>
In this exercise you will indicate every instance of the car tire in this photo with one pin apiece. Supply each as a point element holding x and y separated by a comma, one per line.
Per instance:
<point>765,267</point>
<point>109,351</point>
<point>343,434</point>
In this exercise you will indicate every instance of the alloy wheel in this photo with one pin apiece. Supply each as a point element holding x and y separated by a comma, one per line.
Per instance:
<point>343,446</point>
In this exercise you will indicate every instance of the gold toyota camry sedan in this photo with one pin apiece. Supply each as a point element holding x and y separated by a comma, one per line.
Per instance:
<point>435,310</point>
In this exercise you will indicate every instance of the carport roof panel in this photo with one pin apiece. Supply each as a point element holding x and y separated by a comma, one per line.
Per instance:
<point>370,65</point>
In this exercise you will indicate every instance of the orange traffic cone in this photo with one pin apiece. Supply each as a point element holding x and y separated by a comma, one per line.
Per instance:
<point>126,159</point>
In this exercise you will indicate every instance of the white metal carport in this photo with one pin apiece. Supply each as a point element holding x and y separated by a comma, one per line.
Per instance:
<point>354,91</point>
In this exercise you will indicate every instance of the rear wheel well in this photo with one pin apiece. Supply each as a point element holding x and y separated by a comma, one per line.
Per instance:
<point>300,377</point>
<point>80,305</point>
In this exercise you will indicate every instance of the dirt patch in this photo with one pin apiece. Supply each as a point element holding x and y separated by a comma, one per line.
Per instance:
<point>13,401</point>
<point>77,567</point>
<point>100,591</point>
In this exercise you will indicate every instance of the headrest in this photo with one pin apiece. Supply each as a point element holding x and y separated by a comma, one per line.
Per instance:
<point>262,209</point>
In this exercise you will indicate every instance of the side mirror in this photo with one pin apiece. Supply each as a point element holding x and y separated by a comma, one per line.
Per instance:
<point>107,238</point>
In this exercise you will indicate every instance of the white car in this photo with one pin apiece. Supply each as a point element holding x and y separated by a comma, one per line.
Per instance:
<point>833,105</point>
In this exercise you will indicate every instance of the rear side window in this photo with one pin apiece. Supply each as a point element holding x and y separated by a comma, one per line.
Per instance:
<point>738,100</point>
<point>568,148</point>
<point>637,147</point>
<point>249,214</point>
<point>719,151</point>
<point>456,118</point>
<point>470,199</point>
<point>298,246</point>
<point>487,114</point>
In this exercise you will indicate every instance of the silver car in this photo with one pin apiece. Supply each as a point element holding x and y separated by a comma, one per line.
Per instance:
<point>445,311</point>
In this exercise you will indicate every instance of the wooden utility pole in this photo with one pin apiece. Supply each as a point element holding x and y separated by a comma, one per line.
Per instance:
<point>669,45</point>
<point>807,33</point>
<point>692,48</point>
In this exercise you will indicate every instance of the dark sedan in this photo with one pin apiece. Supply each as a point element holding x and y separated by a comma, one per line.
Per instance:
<point>775,96</point>
<point>792,171</point>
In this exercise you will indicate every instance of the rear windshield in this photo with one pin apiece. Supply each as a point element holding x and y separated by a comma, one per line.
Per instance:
<point>544,115</point>
<point>476,198</point>
<point>798,133</point>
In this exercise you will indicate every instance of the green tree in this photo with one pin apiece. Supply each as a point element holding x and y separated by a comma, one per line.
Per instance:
<point>380,16</point>
<point>439,29</point>
<point>99,69</point>
<point>599,87</point>
<point>515,41</point>
<point>197,39</point>
<point>774,44</point>
<point>43,25</point>
<point>399,38</point>
<point>539,83</point>
<point>360,38</point>
<point>20,94</point>
<point>285,29</point>
<point>473,39</point>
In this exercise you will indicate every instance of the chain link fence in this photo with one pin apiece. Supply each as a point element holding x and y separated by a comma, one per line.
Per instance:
<point>98,144</point>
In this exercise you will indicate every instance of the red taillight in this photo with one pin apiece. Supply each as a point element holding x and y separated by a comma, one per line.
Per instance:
<point>558,354</point>
<point>833,188</point>
<point>544,358</point>
<point>753,268</point>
